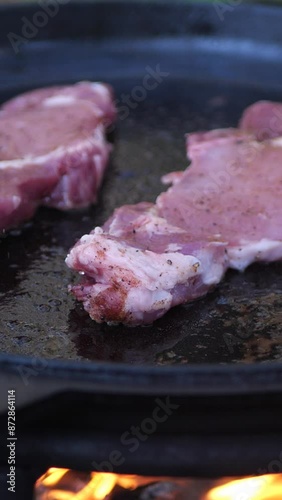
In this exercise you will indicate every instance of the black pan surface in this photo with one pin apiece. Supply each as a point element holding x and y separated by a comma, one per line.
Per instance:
<point>214,70</point>
<point>239,321</point>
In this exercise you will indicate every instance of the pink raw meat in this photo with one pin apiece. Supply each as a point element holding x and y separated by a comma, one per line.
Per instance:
<point>264,119</point>
<point>54,150</point>
<point>223,211</point>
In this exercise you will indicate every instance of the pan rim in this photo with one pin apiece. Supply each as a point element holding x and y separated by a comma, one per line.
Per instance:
<point>207,379</point>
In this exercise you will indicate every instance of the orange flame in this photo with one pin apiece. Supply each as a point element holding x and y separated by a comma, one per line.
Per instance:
<point>63,484</point>
<point>268,487</point>
<point>97,486</point>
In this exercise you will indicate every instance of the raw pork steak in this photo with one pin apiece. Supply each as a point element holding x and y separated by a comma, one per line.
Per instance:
<point>223,211</point>
<point>264,119</point>
<point>53,149</point>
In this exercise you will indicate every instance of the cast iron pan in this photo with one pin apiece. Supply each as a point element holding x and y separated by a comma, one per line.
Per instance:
<point>228,342</point>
